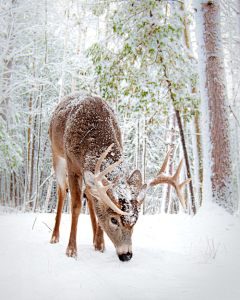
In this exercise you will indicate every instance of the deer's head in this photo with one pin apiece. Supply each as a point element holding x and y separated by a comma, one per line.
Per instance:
<point>116,203</point>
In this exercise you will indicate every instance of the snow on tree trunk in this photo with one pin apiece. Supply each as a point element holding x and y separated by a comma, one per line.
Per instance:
<point>236,125</point>
<point>171,163</point>
<point>187,163</point>
<point>144,153</point>
<point>197,140</point>
<point>216,133</point>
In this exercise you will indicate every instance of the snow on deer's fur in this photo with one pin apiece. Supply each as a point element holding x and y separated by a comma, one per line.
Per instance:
<point>86,145</point>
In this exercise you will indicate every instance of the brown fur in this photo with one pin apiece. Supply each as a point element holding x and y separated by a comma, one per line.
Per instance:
<point>81,129</point>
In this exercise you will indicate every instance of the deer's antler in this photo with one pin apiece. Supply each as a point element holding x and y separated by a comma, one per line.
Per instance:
<point>173,180</point>
<point>102,190</point>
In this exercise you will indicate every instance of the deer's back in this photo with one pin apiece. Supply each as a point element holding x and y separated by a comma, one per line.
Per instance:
<point>82,127</point>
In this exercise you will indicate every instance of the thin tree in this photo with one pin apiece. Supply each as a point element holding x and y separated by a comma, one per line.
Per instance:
<point>196,121</point>
<point>171,163</point>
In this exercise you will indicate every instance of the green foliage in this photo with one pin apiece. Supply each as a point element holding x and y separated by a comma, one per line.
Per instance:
<point>142,53</point>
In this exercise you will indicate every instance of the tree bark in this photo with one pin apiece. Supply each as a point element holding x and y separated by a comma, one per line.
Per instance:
<point>218,106</point>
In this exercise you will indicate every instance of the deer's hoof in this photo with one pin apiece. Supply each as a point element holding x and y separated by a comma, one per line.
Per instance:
<point>54,239</point>
<point>71,252</point>
<point>99,247</point>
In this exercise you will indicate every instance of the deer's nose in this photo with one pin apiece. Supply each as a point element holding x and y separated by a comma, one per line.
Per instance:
<point>125,257</point>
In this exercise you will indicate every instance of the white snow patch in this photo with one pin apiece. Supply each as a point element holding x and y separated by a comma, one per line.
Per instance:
<point>172,259</point>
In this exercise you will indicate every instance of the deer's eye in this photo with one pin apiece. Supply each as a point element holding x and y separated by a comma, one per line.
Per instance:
<point>114,221</point>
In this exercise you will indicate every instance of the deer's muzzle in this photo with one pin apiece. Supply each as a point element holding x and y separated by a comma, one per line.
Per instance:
<point>125,257</point>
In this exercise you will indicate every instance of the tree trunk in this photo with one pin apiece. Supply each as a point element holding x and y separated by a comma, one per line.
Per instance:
<point>48,193</point>
<point>29,146</point>
<point>171,163</point>
<point>38,154</point>
<point>236,125</point>
<point>33,158</point>
<point>196,120</point>
<point>215,104</point>
<point>186,160</point>
<point>75,71</point>
<point>144,159</point>
<point>138,145</point>
<point>179,122</point>
<point>61,94</point>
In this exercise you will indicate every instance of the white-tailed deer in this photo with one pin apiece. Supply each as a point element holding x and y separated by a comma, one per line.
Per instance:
<point>87,145</point>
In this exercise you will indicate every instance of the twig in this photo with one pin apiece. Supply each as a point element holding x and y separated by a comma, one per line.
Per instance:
<point>34,222</point>
<point>211,250</point>
<point>234,115</point>
<point>47,225</point>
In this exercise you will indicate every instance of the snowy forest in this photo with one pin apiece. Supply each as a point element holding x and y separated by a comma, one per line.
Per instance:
<point>169,69</point>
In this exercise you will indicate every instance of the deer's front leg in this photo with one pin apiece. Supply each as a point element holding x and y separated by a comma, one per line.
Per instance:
<point>75,184</point>
<point>99,239</point>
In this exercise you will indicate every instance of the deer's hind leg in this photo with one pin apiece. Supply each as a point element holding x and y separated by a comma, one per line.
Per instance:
<point>60,168</point>
<point>75,185</point>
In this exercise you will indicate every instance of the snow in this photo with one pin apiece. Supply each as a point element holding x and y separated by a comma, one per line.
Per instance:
<point>173,258</point>
<point>207,147</point>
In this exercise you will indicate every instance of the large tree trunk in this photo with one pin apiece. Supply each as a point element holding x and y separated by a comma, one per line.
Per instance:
<point>236,125</point>
<point>215,104</point>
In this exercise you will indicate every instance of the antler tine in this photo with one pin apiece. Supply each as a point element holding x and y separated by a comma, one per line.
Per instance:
<point>108,169</point>
<point>184,182</point>
<point>97,169</point>
<point>164,165</point>
<point>175,176</point>
<point>181,198</point>
<point>107,187</point>
<point>173,180</point>
<point>103,189</point>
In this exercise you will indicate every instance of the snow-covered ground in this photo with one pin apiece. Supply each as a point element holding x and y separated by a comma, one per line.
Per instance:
<point>174,257</point>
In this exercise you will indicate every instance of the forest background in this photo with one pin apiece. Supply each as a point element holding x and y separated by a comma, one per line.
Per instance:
<point>169,69</point>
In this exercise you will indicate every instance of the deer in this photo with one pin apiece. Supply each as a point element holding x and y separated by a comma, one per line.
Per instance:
<point>87,147</point>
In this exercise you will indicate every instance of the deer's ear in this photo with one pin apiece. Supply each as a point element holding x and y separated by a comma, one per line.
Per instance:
<point>141,195</point>
<point>135,179</point>
<point>135,182</point>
